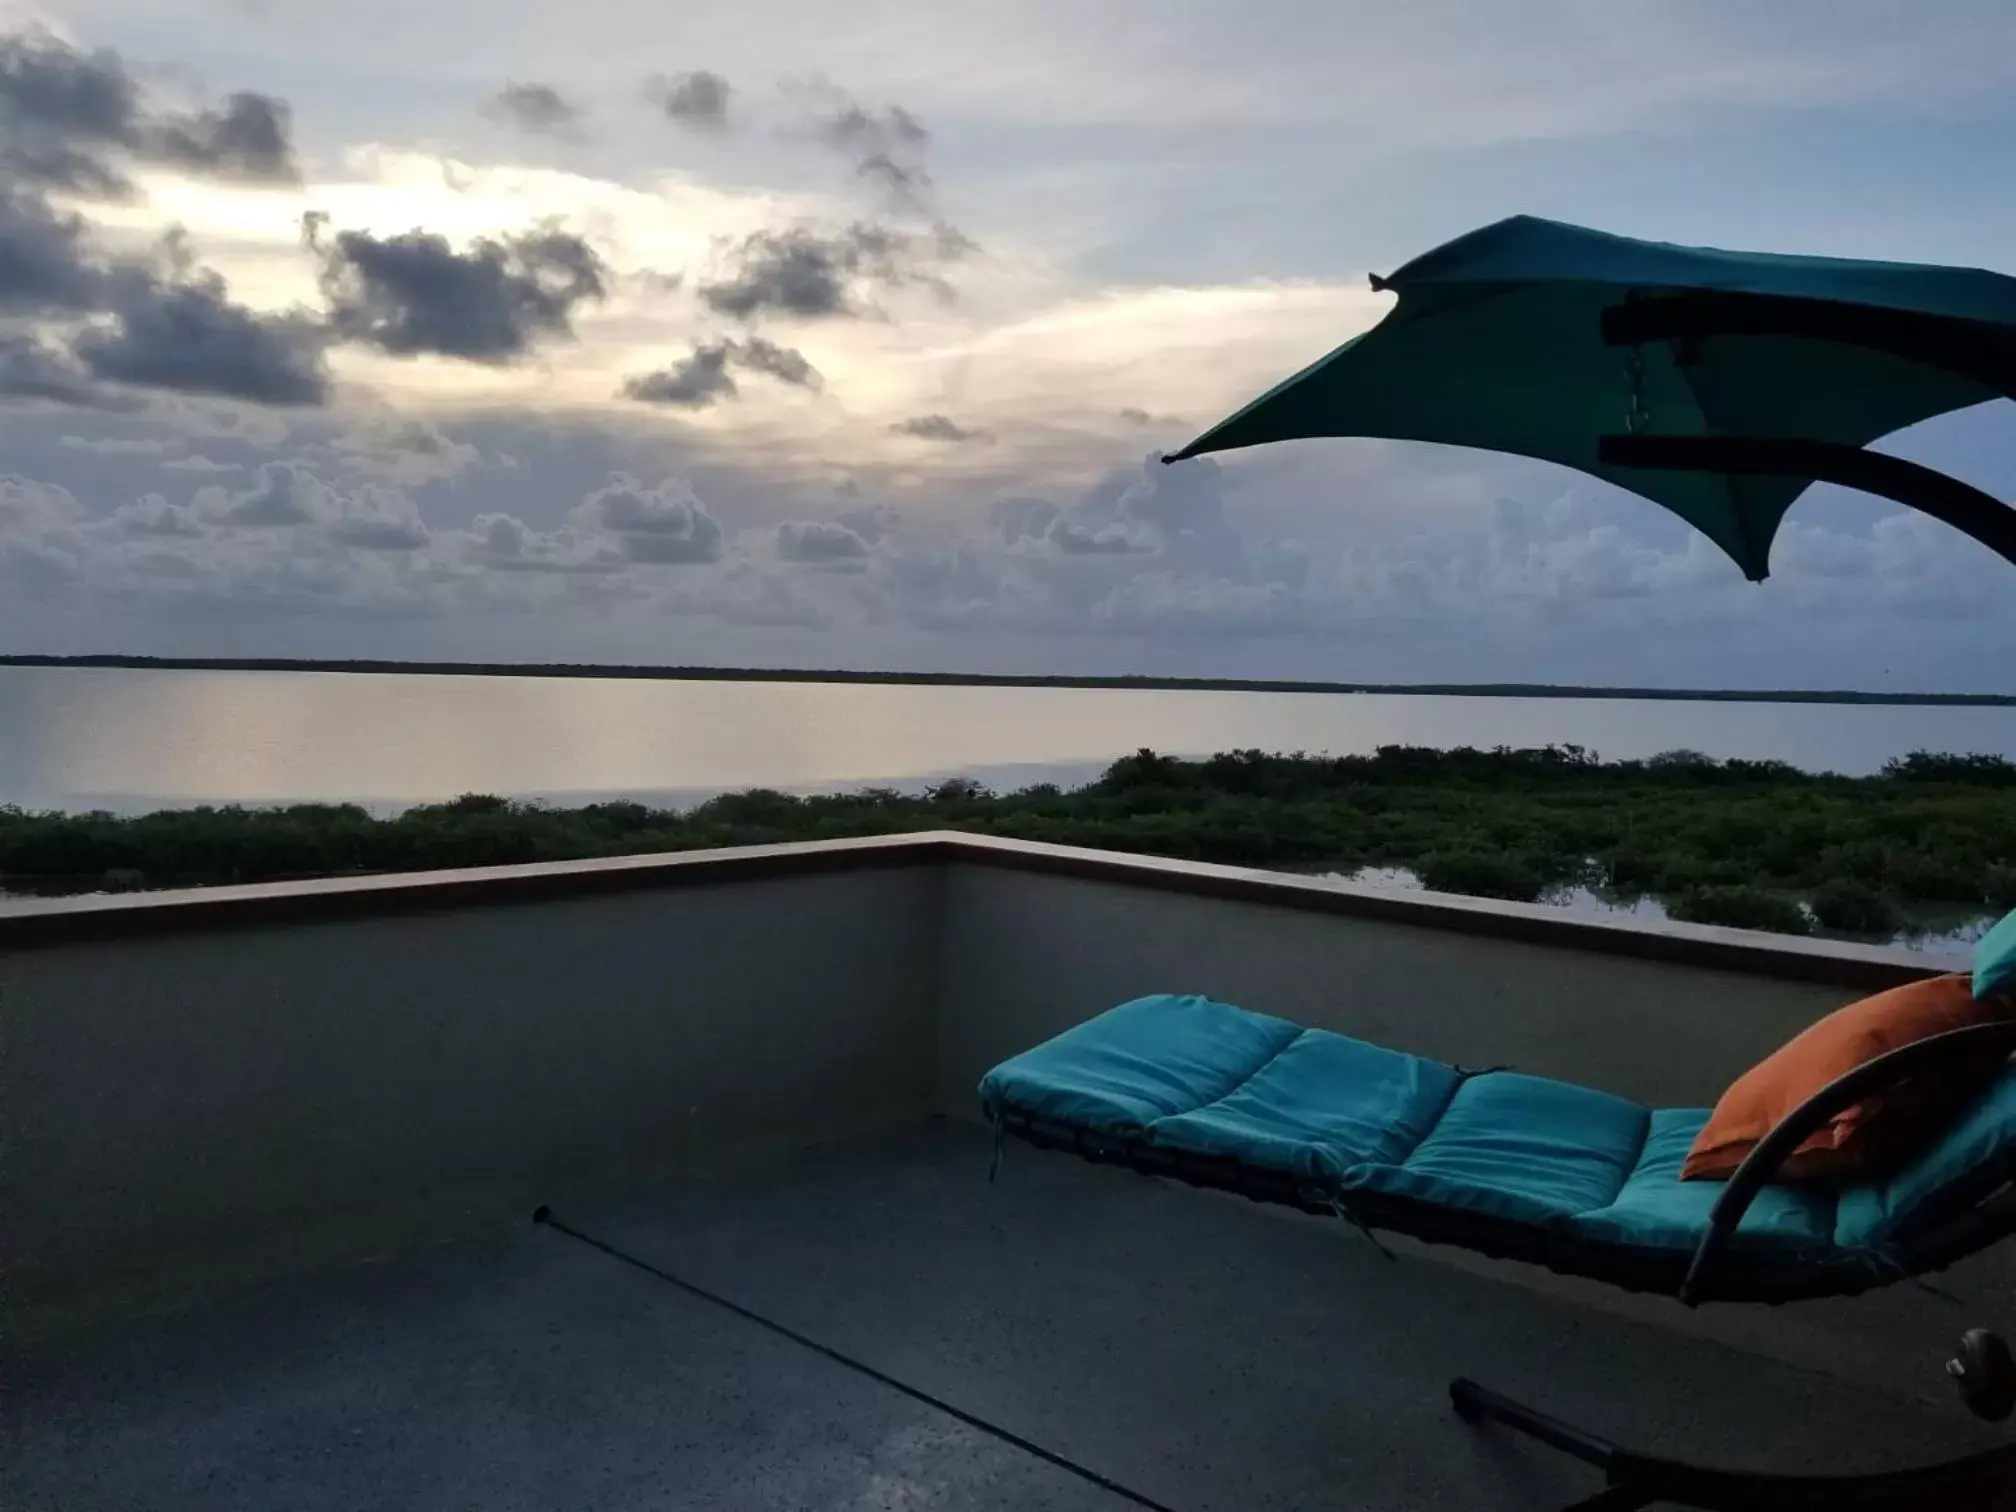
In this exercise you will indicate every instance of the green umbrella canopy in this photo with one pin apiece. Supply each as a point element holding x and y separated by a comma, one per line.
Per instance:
<point>1738,377</point>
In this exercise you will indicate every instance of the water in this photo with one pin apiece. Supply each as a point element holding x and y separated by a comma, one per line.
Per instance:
<point>137,740</point>
<point>1947,941</point>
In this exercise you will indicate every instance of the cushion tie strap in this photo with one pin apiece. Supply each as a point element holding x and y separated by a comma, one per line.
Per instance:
<point>1885,1260</point>
<point>1000,1140</point>
<point>1336,1203</point>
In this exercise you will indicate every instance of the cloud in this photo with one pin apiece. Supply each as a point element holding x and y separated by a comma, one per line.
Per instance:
<point>666,524</point>
<point>72,121</point>
<point>1022,519</point>
<point>378,519</point>
<point>283,494</point>
<point>153,515</point>
<point>44,264</point>
<point>1073,539</point>
<point>28,507</point>
<point>248,140</point>
<point>171,326</point>
<point>115,446</point>
<point>30,369</point>
<point>412,292</point>
<point>186,335</point>
<point>696,381</point>
<point>1187,497</point>
<point>940,428</point>
<point>886,146</point>
<point>809,273</point>
<point>197,463</point>
<point>818,542</point>
<point>407,451</point>
<point>872,524</point>
<point>289,497</point>
<point>505,543</point>
<point>696,100</point>
<point>702,378</point>
<point>59,108</point>
<point>539,109</point>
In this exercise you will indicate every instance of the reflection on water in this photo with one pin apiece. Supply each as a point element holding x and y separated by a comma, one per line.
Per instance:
<point>1949,943</point>
<point>72,738</point>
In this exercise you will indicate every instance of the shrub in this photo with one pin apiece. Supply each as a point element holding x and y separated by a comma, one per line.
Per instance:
<point>1483,874</point>
<point>1854,908</point>
<point>1739,908</point>
<point>2000,891</point>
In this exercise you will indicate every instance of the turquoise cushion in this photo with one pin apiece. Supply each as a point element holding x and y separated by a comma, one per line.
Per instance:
<point>1995,959</point>
<point>1656,1209</point>
<point>1323,1105</point>
<point>1519,1147</point>
<point>1984,1138</point>
<point>1144,1060</point>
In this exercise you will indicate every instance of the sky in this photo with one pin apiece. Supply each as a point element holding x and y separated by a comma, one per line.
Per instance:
<point>778,333</point>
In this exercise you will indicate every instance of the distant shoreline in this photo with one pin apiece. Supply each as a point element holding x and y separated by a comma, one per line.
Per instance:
<point>1001,680</point>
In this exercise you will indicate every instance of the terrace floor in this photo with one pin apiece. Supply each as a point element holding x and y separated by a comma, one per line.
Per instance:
<point>1206,1353</point>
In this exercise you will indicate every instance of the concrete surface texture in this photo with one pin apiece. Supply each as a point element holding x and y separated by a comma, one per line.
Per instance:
<point>1198,1350</point>
<point>187,1110</point>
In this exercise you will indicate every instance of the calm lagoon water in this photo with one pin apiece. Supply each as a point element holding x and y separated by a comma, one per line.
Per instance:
<point>136,740</point>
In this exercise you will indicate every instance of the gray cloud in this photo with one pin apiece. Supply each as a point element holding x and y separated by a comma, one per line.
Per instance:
<point>696,100</point>
<point>1073,539</point>
<point>507,544</point>
<point>886,146</point>
<point>809,273</point>
<point>871,524</point>
<point>941,428</point>
<point>695,381</point>
<point>818,542</point>
<point>152,515</point>
<point>186,335</point>
<point>115,446</point>
<point>283,494</point>
<point>1022,519</point>
<point>30,369</point>
<point>289,497</point>
<point>1186,498</point>
<point>68,117</point>
<point>667,524</point>
<point>44,264</point>
<point>248,140</point>
<point>412,292</point>
<point>536,108</point>
<point>703,377</point>
<point>785,364</point>
<point>60,109</point>
<point>405,451</point>
<point>377,520</point>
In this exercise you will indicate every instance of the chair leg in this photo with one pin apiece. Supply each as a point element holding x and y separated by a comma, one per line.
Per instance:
<point>1979,1483</point>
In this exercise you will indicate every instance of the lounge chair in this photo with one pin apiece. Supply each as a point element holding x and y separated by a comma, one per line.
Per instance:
<point>1523,1168</point>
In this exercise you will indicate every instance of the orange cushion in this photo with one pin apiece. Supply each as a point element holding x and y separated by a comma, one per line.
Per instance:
<point>1876,1133</point>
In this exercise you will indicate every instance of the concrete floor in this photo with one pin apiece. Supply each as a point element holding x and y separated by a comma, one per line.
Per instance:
<point>1206,1353</point>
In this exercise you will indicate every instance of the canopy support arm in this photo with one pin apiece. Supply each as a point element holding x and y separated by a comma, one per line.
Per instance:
<point>1966,508</point>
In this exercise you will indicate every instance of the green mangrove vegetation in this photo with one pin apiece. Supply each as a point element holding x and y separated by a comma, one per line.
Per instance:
<point>1754,844</point>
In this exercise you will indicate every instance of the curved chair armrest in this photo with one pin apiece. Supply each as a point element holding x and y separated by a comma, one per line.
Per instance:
<point>1772,1151</point>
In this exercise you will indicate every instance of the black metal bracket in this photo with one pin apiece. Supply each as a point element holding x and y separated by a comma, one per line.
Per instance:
<point>1975,350</point>
<point>1633,1481</point>
<point>1955,1046</point>
<point>1966,508</point>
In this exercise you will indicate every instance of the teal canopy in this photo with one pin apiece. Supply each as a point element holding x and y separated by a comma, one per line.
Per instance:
<point>1719,384</point>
